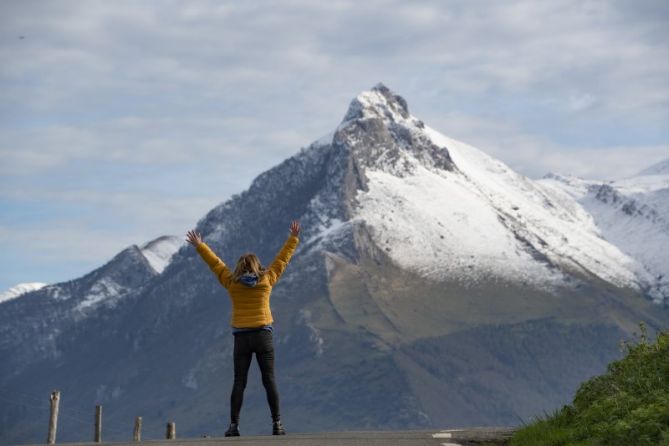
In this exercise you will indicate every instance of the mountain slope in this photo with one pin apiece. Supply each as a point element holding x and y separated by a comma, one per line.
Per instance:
<point>379,321</point>
<point>633,214</point>
<point>43,315</point>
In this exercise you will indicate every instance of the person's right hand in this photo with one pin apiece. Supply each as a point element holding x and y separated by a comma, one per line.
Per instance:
<point>295,228</point>
<point>194,238</point>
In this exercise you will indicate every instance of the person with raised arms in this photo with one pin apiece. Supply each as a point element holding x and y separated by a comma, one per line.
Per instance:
<point>249,285</point>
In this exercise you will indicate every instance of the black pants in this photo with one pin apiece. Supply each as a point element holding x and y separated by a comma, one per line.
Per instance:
<point>246,343</point>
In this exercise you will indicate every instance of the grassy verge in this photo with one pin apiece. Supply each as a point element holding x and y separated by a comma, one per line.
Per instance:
<point>628,405</point>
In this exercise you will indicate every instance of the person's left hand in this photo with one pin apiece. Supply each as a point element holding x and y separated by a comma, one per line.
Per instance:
<point>194,238</point>
<point>295,228</point>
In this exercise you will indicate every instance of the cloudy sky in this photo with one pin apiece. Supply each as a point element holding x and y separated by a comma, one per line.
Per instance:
<point>124,120</point>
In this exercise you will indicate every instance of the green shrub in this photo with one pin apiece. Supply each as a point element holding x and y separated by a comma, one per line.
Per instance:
<point>628,405</point>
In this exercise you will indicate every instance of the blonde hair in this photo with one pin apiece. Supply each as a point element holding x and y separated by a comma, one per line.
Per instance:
<point>248,263</point>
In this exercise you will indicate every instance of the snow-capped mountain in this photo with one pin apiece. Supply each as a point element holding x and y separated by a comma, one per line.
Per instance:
<point>632,214</point>
<point>446,209</point>
<point>476,217</point>
<point>20,289</point>
<point>433,286</point>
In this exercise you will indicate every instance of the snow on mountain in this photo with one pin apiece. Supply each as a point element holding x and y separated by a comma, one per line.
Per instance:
<point>661,168</point>
<point>632,214</point>
<point>104,290</point>
<point>445,209</point>
<point>455,233</point>
<point>20,289</point>
<point>159,252</point>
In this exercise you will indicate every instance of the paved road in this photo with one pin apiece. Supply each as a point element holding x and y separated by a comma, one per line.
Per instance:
<point>453,437</point>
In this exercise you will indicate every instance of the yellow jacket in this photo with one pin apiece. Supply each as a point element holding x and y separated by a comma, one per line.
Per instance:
<point>250,305</point>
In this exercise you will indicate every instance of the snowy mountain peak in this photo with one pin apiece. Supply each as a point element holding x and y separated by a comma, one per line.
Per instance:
<point>380,102</point>
<point>159,251</point>
<point>19,290</point>
<point>380,134</point>
<point>446,209</point>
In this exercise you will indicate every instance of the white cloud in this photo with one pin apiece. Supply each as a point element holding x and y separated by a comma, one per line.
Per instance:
<point>89,230</point>
<point>164,141</point>
<point>148,48</point>
<point>66,242</point>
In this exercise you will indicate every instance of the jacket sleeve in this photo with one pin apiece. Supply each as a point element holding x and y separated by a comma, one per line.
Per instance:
<point>215,264</point>
<point>281,261</point>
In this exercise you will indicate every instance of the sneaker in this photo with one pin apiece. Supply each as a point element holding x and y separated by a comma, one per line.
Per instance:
<point>233,430</point>
<point>277,428</point>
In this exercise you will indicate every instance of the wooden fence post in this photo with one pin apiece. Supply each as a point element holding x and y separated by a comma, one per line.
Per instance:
<point>171,431</point>
<point>137,434</point>
<point>53,419</point>
<point>98,424</point>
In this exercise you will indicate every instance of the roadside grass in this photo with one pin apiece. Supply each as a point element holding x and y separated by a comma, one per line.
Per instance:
<point>628,405</point>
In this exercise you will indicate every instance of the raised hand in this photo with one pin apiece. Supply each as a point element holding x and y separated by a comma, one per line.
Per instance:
<point>193,237</point>
<point>295,228</point>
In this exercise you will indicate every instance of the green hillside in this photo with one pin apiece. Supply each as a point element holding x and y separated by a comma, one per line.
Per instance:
<point>628,405</point>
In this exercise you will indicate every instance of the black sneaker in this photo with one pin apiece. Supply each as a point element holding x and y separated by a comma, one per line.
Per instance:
<point>277,428</point>
<point>233,430</point>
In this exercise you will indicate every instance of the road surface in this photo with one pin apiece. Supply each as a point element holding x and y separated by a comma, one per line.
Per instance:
<point>462,437</point>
